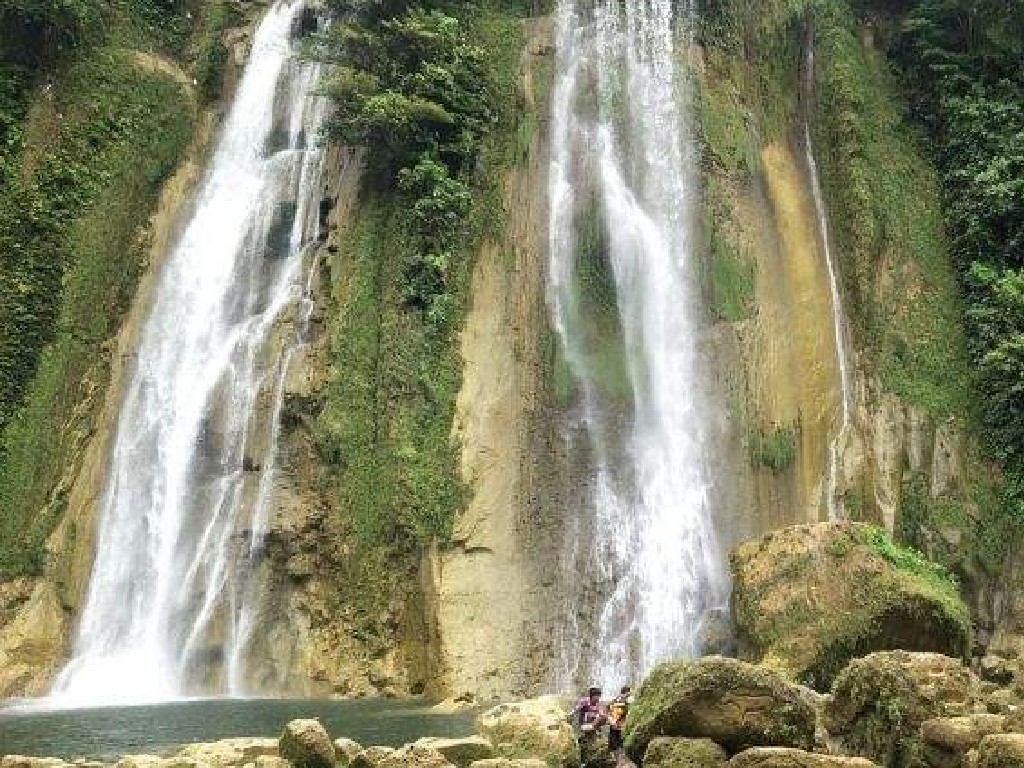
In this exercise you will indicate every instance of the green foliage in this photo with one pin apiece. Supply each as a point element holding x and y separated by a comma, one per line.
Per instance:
<point>409,85</point>
<point>773,449</point>
<point>961,65</point>
<point>908,560</point>
<point>402,271</point>
<point>413,90</point>
<point>874,173</point>
<point>69,260</point>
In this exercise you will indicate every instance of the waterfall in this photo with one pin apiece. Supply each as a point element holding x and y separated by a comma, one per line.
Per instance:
<point>191,474</point>
<point>835,447</point>
<point>644,571</point>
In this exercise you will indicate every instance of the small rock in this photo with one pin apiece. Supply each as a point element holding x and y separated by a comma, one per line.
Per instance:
<point>1004,750</point>
<point>782,757</point>
<point>1002,702</point>
<point>460,752</point>
<point>669,752</point>
<point>345,751</point>
<point>504,762</point>
<point>414,756</point>
<point>229,752</point>
<point>959,735</point>
<point>20,761</point>
<point>371,757</point>
<point>306,744</point>
<point>995,669</point>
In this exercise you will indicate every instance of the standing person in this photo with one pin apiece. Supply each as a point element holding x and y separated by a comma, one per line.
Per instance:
<point>618,708</point>
<point>588,715</point>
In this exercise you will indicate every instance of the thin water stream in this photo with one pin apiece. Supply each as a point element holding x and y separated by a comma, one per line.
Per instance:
<point>169,606</point>
<point>836,445</point>
<point>643,567</point>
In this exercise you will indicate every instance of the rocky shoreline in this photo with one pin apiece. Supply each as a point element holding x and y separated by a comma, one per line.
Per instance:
<point>890,708</point>
<point>840,633</point>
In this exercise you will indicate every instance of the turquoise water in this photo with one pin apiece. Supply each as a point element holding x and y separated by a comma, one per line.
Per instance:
<point>108,732</point>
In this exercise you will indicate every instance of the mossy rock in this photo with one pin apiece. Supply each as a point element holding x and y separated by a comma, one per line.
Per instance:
<point>1004,750</point>
<point>536,728</point>
<point>782,757</point>
<point>808,599</point>
<point>880,702</point>
<point>668,752</point>
<point>736,704</point>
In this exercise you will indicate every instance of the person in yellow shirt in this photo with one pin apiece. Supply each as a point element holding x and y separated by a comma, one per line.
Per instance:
<point>618,708</point>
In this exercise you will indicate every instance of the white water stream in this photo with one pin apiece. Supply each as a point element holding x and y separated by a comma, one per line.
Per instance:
<point>190,480</point>
<point>643,566</point>
<point>836,445</point>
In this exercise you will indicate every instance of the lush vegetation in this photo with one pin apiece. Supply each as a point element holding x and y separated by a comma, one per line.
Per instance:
<point>88,131</point>
<point>429,92</point>
<point>962,65</point>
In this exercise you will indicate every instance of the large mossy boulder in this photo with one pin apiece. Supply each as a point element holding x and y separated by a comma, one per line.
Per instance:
<point>536,728</point>
<point>808,599</point>
<point>736,704</point>
<point>782,757</point>
<point>675,752</point>
<point>880,702</point>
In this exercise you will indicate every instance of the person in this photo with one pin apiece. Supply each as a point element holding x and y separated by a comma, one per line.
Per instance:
<point>618,708</point>
<point>588,715</point>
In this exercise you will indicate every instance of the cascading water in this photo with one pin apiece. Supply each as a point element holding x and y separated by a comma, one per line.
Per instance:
<point>168,611</point>
<point>643,566</point>
<point>835,447</point>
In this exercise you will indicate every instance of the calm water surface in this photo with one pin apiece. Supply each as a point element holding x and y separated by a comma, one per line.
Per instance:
<point>108,732</point>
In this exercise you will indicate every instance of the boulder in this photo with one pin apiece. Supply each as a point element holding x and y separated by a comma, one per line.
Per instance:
<point>533,728</point>
<point>998,670</point>
<point>20,761</point>
<point>1004,750</point>
<point>345,751</point>
<point>960,734</point>
<point>669,752</point>
<point>229,752</point>
<point>460,752</point>
<point>808,599</point>
<point>414,756</point>
<point>782,757</point>
<point>371,757</point>
<point>880,702</point>
<point>594,751</point>
<point>733,703</point>
<point>306,744</point>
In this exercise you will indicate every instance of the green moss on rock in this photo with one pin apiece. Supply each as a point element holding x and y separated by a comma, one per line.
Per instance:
<point>736,704</point>
<point>880,702</point>
<point>808,599</point>
<point>668,752</point>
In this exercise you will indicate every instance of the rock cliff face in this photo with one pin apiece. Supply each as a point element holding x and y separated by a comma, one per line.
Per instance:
<point>477,620</point>
<point>492,591</point>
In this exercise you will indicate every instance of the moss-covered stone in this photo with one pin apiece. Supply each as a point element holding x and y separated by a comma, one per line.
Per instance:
<point>1004,750</point>
<point>781,757</point>
<point>736,704</point>
<point>880,702</point>
<point>531,729</point>
<point>808,599</point>
<point>668,752</point>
